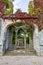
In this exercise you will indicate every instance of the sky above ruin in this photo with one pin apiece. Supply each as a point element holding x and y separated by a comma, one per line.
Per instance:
<point>21,4</point>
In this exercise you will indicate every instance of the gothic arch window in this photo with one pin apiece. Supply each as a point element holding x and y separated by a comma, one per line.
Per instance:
<point>21,32</point>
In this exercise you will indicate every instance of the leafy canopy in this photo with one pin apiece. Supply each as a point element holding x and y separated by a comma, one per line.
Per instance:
<point>30,8</point>
<point>9,7</point>
<point>33,8</point>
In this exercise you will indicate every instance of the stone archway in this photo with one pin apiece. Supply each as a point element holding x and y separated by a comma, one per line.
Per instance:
<point>21,41</point>
<point>31,40</point>
<point>6,24</point>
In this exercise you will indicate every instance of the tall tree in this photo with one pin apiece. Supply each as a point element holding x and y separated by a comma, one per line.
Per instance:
<point>6,2</point>
<point>38,4</point>
<point>30,8</point>
<point>9,6</point>
<point>35,6</point>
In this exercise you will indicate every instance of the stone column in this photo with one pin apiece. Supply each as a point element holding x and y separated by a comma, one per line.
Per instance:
<point>15,38</point>
<point>31,44</point>
<point>35,40</point>
<point>25,41</point>
<point>2,39</point>
<point>9,39</point>
<point>41,42</point>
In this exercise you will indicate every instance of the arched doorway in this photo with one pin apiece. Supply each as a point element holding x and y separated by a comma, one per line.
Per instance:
<point>21,38</point>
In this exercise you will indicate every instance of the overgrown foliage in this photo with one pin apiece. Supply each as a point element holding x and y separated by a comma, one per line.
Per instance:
<point>30,8</point>
<point>20,34</point>
<point>35,6</point>
<point>9,7</point>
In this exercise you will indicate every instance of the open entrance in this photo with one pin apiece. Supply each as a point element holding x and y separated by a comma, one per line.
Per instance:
<point>19,39</point>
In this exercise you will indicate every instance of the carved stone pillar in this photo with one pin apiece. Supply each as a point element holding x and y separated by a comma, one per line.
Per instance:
<point>36,40</point>
<point>25,41</point>
<point>15,38</point>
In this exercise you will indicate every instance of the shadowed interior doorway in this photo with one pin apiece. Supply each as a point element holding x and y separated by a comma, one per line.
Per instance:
<point>21,39</point>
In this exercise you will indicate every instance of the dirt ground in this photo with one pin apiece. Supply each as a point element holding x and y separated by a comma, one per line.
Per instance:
<point>21,60</point>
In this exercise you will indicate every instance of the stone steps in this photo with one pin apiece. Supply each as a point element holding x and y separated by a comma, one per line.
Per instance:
<point>20,52</point>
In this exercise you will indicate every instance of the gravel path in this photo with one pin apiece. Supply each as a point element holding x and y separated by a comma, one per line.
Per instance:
<point>21,60</point>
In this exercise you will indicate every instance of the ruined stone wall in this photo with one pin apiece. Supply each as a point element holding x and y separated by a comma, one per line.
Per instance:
<point>40,34</point>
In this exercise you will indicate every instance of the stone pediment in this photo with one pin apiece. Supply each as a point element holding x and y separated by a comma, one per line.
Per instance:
<point>19,15</point>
